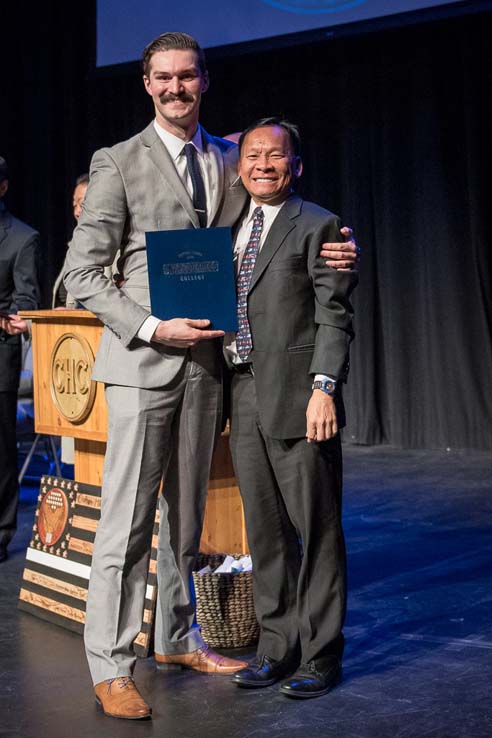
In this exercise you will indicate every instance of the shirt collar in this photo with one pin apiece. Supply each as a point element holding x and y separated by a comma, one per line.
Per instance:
<point>176,145</point>
<point>269,211</point>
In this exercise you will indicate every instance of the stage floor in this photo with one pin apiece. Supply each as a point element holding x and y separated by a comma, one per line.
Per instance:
<point>418,659</point>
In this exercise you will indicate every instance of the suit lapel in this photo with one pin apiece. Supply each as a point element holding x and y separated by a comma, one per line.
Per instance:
<point>160,157</point>
<point>4,224</point>
<point>217,175</point>
<point>283,224</point>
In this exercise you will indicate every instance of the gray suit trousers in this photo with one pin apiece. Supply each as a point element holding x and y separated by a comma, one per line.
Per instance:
<point>159,433</point>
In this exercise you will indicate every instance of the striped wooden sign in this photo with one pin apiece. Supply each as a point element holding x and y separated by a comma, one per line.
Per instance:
<point>59,557</point>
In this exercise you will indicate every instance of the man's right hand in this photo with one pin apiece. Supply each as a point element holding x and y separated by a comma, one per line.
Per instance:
<point>183,332</point>
<point>13,325</point>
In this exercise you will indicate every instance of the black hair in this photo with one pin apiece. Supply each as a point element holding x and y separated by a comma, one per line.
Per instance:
<point>279,121</point>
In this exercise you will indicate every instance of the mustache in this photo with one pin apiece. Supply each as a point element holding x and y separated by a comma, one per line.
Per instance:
<point>182,97</point>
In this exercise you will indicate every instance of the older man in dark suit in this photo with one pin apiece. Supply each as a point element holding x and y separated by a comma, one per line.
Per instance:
<point>19,290</point>
<point>290,358</point>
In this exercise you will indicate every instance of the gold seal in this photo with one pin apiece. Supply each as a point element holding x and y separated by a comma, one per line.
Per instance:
<point>53,514</point>
<point>72,389</point>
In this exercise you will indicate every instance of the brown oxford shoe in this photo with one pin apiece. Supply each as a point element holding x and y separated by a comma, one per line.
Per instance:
<point>120,698</point>
<point>203,659</point>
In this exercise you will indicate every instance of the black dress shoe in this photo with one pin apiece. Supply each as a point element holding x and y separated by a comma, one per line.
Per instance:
<point>263,673</point>
<point>313,679</point>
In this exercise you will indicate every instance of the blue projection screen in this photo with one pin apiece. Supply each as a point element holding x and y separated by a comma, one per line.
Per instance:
<point>126,26</point>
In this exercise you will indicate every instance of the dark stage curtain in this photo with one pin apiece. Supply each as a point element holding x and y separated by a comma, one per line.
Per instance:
<point>46,53</point>
<point>414,166</point>
<point>396,128</point>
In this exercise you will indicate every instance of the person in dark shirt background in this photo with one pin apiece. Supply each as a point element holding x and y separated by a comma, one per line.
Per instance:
<point>19,290</point>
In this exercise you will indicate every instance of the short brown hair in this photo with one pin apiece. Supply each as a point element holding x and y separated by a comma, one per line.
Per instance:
<point>173,40</point>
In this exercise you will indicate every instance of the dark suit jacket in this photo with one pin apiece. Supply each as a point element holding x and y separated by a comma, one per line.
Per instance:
<point>300,316</point>
<point>19,289</point>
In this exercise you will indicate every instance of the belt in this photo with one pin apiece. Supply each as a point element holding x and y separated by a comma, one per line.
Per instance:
<point>244,368</point>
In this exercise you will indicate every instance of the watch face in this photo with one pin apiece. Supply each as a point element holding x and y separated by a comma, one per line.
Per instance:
<point>325,385</point>
<point>328,386</point>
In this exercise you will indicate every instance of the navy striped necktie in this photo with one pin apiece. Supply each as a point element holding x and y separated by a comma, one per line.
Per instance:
<point>244,342</point>
<point>199,196</point>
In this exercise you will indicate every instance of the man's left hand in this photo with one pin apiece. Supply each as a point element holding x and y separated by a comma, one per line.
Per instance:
<point>343,256</point>
<point>13,325</point>
<point>321,417</point>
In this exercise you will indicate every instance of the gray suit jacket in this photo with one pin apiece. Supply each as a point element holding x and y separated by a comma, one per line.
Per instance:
<point>134,187</point>
<point>300,316</point>
<point>19,289</point>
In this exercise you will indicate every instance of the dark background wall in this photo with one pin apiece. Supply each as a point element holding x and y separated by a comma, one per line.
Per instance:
<point>396,127</point>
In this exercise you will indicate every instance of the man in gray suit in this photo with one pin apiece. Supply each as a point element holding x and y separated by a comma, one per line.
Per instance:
<point>163,378</point>
<point>290,358</point>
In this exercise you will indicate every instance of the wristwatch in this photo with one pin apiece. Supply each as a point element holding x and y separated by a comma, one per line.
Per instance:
<point>327,385</point>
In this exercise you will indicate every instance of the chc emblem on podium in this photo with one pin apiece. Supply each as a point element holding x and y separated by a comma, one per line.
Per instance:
<point>72,390</point>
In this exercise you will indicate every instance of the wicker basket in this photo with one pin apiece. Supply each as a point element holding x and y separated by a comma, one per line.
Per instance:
<point>224,605</point>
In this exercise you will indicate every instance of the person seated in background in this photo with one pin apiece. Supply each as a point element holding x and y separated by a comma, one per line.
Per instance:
<point>61,298</point>
<point>19,290</point>
<point>289,360</point>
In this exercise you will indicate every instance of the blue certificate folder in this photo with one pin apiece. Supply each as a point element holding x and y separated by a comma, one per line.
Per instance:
<point>191,275</point>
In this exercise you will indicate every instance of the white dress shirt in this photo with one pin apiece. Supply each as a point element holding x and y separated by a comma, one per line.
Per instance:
<point>270,212</point>
<point>175,147</point>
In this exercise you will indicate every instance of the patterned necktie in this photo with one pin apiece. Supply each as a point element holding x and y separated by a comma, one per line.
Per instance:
<point>199,197</point>
<point>244,343</point>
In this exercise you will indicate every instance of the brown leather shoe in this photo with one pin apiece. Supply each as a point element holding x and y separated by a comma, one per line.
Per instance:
<point>203,659</point>
<point>120,698</point>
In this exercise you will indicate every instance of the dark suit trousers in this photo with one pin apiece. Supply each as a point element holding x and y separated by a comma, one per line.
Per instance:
<point>291,492</point>
<point>9,488</point>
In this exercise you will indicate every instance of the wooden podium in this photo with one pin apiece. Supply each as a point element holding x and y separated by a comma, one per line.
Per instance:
<point>68,403</point>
